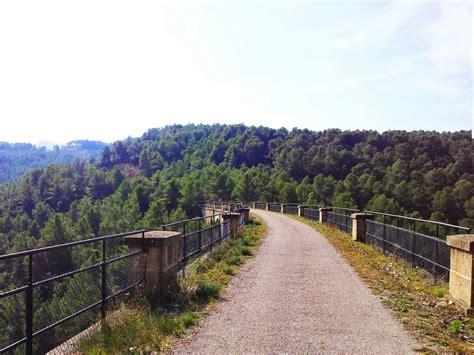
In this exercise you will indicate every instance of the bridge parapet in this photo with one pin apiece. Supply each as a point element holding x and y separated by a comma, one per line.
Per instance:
<point>461,273</point>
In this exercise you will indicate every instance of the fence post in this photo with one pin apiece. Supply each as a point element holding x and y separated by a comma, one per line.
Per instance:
<point>29,308</point>
<point>383,235</point>
<point>161,265</point>
<point>200,235</point>
<point>267,206</point>
<point>359,225</point>
<point>234,224</point>
<point>323,214</point>
<point>301,211</point>
<point>461,271</point>
<point>103,303</point>
<point>283,208</point>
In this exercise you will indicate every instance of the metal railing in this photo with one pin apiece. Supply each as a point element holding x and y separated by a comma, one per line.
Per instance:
<point>231,206</point>
<point>291,209</point>
<point>260,205</point>
<point>341,218</point>
<point>311,212</point>
<point>274,206</point>
<point>200,235</point>
<point>46,295</point>
<point>419,241</point>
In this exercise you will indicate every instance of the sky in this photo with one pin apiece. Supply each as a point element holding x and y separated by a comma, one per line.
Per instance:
<point>107,70</point>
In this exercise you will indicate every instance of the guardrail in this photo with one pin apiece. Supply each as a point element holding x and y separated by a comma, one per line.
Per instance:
<point>200,234</point>
<point>341,218</point>
<point>38,300</point>
<point>32,309</point>
<point>420,242</point>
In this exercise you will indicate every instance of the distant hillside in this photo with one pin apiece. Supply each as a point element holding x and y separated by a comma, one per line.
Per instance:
<point>18,158</point>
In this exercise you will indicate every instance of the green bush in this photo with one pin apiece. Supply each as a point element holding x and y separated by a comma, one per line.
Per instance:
<point>245,250</point>
<point>169,326</point>
<point>207,291</point>
<point>201,266</point>
<point>235,260</point>
<point>218,254</point>
<point>455,327</point>
<point>189,319</point>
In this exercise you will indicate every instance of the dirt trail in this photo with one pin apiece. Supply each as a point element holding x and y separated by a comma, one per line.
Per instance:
<point>298,295</point>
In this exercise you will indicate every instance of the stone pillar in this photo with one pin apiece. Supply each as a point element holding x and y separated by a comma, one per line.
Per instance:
<point>266,206</point>
<point>323,214</point>
<point>254,205</point>
<point>359,225</point>
<point>283,208</point>
<point>301,211</point>
<point>246,212</point>
<point>234,219</point>
<point>461,271</point>
<point>161,264</point>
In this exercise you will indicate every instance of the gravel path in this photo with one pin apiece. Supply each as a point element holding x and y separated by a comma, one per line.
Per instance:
<point>298,295</point>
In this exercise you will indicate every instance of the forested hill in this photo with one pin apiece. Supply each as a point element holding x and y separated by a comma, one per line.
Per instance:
<point>163,175</point>
<point>18,158</point>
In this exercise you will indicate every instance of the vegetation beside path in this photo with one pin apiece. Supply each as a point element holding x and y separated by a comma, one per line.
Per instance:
<point>150,328</point>
<point>419,301</point>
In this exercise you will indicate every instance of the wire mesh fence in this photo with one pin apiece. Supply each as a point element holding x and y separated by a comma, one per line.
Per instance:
<point>200,234</point>
<point>342,221</point>
<point>275,207</point>
<point>50,294</point>
<point>291,209</point>
<point>311,213</point>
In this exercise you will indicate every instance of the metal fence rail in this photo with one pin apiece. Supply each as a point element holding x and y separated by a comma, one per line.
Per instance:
<point>342,218</point>
<point>311,213</point>
<point>275,207</point>
<point>421,242</point>
<point>37,305</point>
<point>260,205</point>
<point>292,209</point>
<point>200,234</point>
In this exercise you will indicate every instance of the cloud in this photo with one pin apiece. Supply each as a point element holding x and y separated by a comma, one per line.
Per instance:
<point>376,30</point>
<point>449,38</point>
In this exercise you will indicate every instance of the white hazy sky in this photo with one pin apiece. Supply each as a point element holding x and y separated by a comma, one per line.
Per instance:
<point>111,69</point>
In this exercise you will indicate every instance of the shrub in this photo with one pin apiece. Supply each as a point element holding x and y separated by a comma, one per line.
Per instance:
<point>169,326</point>
<point>455,327</point>
<point>218,254</point>
<point>235,260</point>
<point>189,319</point>
<point>245,250</point>
<point>201,266</point>
<point>207,291</point>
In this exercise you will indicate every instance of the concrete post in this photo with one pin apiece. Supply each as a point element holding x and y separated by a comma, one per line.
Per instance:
<point>254,205</point>
<point>266,206</point>
<point>234,219</point>
<point>301,211</point>
<point>323,214</point>
<point>461,271</point>
<point>246,212</point>
<point>160,266</point>
<point>359,225</point>
<point>283,208</point>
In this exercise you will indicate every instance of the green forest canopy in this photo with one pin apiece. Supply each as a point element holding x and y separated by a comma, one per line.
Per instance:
<point>164,175</point>
<point>18,158</point>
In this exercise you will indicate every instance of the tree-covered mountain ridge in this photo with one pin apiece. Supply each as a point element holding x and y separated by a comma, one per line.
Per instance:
<point>164,175</point>
<point>18,158</point>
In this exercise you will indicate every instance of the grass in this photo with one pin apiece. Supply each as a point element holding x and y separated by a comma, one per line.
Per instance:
<point>148,329</point>
<point>421,303</point>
